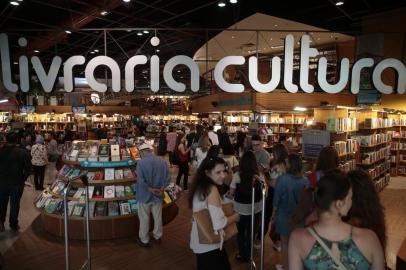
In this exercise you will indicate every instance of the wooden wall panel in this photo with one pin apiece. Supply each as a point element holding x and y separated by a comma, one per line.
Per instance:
<point>205,104</point>
<point>56,109</point>
<point>113,109</point>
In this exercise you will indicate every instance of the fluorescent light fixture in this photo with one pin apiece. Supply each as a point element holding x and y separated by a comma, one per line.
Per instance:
<point>221,4</point>
<point>104,12</point>
<point>300,109</point>
<point>3,100</point>
<point>146,32</point>
<point>36,51</point>
<point>277,47</point>
<point>14,3</point>
<point>339,3</point>
<point>19,0</point>
<point>68,32</point>
<point>233,1</point>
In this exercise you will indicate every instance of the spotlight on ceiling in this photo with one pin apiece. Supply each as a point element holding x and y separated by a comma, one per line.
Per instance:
<point>139,33</point>
<point>339,3</point>
<point>104,12</point>
<point>126,1</point>
<point>36,51</point>
<point>3,100</point>
<point>155,41</point>
<point>146,32</point>
<point>92,52</point>
<point>300,109</point>
<point>221,4</point>
<point>14,3</point>
<point>158,50</point>
<point>68,32</point>
<point>96,50</point>
<point>233,1</point>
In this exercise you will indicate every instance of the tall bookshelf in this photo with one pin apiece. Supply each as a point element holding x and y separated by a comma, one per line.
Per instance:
<point>375,140</point>
<point>5,118</point>
<point>50,121</point>
<point>398,145</point>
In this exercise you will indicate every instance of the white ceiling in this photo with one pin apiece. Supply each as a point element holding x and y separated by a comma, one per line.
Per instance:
<point>243,43</point>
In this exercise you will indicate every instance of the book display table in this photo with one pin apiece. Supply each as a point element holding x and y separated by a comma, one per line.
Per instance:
<point>112,201</point>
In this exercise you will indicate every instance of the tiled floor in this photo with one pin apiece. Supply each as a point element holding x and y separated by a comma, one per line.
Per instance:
<point>393,198</point>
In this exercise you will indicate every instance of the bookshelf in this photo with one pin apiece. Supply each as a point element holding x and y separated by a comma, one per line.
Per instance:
<point>398,144</point>
<point>375,140</point>
<point>5,118</point>
<point>112,194</point>
<point>50,121</point>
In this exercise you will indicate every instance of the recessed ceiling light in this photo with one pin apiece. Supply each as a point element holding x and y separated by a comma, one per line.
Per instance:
<point>92,52</point>
<point>139,34</point>
<point>126,1</point>
<point>339,3</point>
<point>14,3</point>
<point>36,51</point>
<point>300,109</point>
<point>15,63</point>
<point>96,50</point>
<point>68,32</point>
<point>158,50</point>
<point>221,4</point>
<point>275,25</point>
<point>233,1</point>
<point>178,70</point>
<point>146,32</point>
<point>104,13</point>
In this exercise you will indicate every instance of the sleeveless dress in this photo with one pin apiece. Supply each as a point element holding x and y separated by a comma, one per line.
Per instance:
<point>350,255</point>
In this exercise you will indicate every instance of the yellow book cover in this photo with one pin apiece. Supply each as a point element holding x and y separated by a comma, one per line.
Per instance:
<point>167,199</point>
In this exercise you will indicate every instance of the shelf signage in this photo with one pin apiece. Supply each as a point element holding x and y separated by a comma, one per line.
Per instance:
<point>109,164</point>
<point>352,76</point>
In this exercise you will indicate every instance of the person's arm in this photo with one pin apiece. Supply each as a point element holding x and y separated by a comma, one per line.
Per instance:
<point>214,199</point>
<point>182,149</point>
<point>295,261</point>
<point>276,198</point>
<point>378,258</point>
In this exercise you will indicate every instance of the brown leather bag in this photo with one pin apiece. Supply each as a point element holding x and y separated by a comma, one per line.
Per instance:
<point>205,226</point>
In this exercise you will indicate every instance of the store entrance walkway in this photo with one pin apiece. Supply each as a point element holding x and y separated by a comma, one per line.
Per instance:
<point>33,248</point>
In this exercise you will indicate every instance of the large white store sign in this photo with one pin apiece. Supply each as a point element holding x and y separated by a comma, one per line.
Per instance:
<point>48,79</point>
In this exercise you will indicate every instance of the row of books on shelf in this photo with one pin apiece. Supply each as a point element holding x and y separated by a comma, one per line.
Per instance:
<point>397,146</point>
<point>345,147</point>
<point>77,209</point>
<point>398,134</point>
<point>342,124</point>
<point>234,129</point>
<point>370,140</point>
<point>400,122</point>
<point>378,123</point>
<point>237,119</point>
<point>402,157</point>
<point>379,169</point>
<point>101,174</point>
<point>107,192</point>
<point>348,165</point>
<point>371,157</point>
<point>382,182</point>
<point>96,151</point>
<point>402,169</point>
<point>282,120</point>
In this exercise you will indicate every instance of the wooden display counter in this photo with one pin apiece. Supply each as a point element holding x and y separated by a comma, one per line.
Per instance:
<point>103,228</point>
<point>401,257</point>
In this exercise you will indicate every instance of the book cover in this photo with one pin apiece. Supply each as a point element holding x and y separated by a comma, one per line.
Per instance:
<point>100,209</point>
<point>98,192</point>
<point>133,206</point>
<point>103,152</point>
<point>167,199</point>
<point>71,205</point>
<point>91,190</point>
<point>99,175</point>
<point>78,210</point>
<point>134,153</point>
<point>90,176</point>
<point>83,153</point>
<point>73,155</point>
<point>115,152</point>
<point>125,154</point>
<point>113,209</point>
<point>59,208</point>
<point>51,206</point>
<point>93,148</point>
<point>72,191</point>
<point>109,174</point>
<point>74,173</point>
<point>119,191</point>
<point>92,206</point>
<point>127,173</point>
<point>128,191</point>
<point>65,169</point>
<point>125,208</point>
<point>78,193</point>
<point>118,174</point>
<point>109,192</point>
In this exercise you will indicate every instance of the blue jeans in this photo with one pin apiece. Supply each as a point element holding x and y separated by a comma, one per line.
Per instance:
<point>14,193</point>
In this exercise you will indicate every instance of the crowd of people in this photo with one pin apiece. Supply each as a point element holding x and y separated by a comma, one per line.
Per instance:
<point>324,219</point>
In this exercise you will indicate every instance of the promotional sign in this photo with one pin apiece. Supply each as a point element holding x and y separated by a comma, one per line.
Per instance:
<point>48,78</point>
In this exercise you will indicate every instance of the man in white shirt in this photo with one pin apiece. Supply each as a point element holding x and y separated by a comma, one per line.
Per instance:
<point>213,136</point>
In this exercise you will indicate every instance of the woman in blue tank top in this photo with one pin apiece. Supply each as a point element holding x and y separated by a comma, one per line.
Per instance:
<point>331,243</point>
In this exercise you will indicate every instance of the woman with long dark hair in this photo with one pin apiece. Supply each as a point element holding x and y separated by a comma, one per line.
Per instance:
<point>328,160</point>
<point>183,155</point>
<point>241,189</point>
<point>366,211</point>
<point>286,197</point>
<point>204,194</point>
<point>330,239</point>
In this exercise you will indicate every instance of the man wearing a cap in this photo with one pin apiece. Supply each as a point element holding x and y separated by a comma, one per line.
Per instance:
<point>152,177</point>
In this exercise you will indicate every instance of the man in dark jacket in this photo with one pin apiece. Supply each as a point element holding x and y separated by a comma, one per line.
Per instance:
<point>15,167</point>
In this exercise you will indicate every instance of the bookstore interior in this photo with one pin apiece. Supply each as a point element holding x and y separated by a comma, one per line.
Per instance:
<point>149,72</point>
